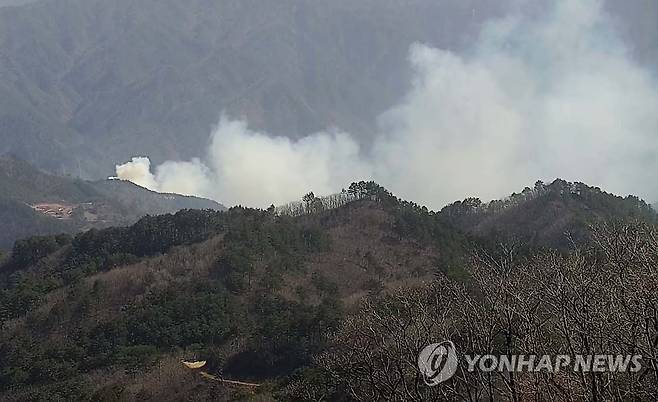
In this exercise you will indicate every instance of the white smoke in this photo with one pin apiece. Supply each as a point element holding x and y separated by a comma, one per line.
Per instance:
<point>249,168</point>
<point>138,171</point>
<point>557,96</point>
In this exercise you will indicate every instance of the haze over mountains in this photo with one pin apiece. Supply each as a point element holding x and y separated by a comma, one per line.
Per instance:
<point>103,81</point>
<point>89,84</point>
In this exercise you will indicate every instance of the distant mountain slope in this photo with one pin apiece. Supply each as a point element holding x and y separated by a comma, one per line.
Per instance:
<point>89,83</point>
<point>36,203</point>
<point>550,215</point>
<point>86,84</point>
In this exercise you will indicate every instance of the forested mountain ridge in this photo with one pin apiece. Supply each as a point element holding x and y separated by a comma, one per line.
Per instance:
<point>33,202</point>
<point>260,288</point>
<point>553,215</point>
<point>253,292</point>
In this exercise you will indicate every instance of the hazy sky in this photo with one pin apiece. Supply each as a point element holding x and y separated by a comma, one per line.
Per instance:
<point>4,3</point>
<point>553,95</point>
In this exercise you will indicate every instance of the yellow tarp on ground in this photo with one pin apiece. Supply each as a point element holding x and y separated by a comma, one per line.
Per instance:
<point>195,365</point>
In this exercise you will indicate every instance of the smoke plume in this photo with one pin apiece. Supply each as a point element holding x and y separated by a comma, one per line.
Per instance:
<point>533,98</point>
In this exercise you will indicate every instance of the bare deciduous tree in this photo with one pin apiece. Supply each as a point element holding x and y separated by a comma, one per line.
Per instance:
<point>598,300</point>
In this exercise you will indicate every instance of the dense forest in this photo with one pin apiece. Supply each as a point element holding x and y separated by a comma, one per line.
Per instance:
<point>283,300</point>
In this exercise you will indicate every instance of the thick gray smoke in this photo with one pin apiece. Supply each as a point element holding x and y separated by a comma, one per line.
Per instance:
<point>534,98</point>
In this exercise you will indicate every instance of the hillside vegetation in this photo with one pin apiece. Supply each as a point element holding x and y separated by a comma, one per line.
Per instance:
<point>260,295</point>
